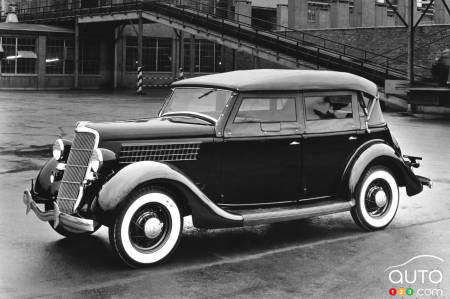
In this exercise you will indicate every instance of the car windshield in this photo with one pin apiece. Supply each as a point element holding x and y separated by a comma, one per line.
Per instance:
<point>208,101</point>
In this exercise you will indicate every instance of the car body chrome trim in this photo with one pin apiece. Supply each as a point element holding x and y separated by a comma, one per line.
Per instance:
<point>83,129</point>
<point>190,113</point>
<point>69,222</point>
<point>278,215</point>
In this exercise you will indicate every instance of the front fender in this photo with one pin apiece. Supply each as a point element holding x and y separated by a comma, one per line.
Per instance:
<point>378,153</point>
<point>44,190</point>
<point>204,212</point>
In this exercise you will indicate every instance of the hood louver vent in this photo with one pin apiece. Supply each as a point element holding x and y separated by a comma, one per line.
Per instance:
<point>159,152</point>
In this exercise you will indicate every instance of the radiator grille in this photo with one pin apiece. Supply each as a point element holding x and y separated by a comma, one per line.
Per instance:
<point>76,168</point>
<point>159,152</point>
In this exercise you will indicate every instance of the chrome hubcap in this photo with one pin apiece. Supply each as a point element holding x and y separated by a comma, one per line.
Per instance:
<point>380,198</point>
<point>150,227</point>
<point>153,228</point>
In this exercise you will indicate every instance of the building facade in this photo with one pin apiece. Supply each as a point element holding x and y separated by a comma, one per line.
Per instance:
<point>38,56</point>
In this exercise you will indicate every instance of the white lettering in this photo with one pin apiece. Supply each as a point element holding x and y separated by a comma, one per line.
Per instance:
<point>420,292</point>
<point>438,292</point>
<point>423,274</point>
<point>406,277</point>
<point>400,280</point>
<point>439,274</point>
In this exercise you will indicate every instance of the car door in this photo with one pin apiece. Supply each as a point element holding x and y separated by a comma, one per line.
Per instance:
<point>261,150</point>
<point>330,138</point>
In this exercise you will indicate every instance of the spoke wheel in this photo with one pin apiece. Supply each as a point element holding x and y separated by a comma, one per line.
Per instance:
<point>377,199</point>
<point>147,229</point>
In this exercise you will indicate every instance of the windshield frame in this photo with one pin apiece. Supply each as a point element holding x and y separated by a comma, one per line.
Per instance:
<point>163,113</point>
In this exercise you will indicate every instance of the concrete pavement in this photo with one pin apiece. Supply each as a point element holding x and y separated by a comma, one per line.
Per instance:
<point>320,257</point>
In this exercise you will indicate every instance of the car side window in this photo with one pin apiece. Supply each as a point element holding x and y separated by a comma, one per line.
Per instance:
<point>328,107</point>
<point>331,111</point>
<point>266,110</point>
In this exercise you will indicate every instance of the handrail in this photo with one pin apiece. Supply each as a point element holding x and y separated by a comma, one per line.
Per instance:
<point>183,13</point>
<point>261,50</point>
<point>286,29</point>
<point>72,8</point>
<point>137,4</point>
<point>304,42</point>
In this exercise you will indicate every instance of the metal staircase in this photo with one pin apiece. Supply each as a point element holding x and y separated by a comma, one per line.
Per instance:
<point>288,47</point>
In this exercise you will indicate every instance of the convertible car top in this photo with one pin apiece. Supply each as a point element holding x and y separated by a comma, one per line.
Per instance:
<point>277,79</point>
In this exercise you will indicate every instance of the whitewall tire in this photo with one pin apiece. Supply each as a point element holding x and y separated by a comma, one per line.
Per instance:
<point>148,228</point>
<point>377,199</point>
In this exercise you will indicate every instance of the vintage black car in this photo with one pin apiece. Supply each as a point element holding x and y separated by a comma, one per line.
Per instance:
<point>232,149</point>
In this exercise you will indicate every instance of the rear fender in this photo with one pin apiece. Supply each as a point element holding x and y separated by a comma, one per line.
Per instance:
<point>376,152</point>
<point>204,212</point>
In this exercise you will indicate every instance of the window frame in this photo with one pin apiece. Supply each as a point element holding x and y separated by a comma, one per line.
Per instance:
<point>16,61</point>
<point>263,97</point>
<point>326,125</point>
<point>255,129</point>
<point>201,47</point>
<point>147,48</point>
<point>65,62</point>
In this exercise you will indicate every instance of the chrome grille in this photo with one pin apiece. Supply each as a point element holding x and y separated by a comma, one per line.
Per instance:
<point>159,152</point>
<point>76,168</point>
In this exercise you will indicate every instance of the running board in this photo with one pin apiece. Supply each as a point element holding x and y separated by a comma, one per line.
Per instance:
<point>280,214</point>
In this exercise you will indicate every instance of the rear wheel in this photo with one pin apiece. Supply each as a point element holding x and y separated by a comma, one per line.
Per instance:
<point>377,199</point>
<point>147,230</point>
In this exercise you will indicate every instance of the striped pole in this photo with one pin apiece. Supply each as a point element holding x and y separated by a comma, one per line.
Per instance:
<point>140,80</point>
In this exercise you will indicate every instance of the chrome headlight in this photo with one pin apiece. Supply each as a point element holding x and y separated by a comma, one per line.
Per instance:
<point>96,160</point>
<point>58,149</point>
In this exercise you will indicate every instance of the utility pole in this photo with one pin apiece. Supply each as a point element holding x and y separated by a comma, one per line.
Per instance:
<point>76,70</point>
<point>412,10</point>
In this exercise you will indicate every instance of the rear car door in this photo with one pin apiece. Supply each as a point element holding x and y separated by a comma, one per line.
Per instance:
<point>261,150</point>
<point>332,122</point>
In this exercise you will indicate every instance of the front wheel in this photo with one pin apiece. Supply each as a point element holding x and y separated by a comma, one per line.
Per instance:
<point>147,230</point>
<point>377,199</point>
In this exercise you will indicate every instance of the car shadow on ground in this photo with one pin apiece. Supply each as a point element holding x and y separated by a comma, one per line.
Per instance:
<point>199,247</point>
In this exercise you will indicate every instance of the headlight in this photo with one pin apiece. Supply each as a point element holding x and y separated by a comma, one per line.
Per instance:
<point>58,149</point>
<point>96,160</point>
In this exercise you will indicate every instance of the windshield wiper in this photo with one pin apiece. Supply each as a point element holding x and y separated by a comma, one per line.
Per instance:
<point>206,93</point>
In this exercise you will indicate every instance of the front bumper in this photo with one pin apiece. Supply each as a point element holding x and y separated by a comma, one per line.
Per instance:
<point>71,223</point>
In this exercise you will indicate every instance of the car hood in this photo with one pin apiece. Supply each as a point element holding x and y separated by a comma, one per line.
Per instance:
<point>154,128</point>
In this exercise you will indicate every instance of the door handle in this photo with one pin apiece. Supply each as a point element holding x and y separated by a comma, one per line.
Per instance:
<point>294,143</point>
<point>352,138</point>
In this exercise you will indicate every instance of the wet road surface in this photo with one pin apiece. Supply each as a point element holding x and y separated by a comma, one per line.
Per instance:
<point>320,257</point>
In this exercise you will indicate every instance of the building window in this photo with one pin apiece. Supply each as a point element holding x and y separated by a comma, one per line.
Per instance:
<point>20,55</point>
<point>264,18</point>
<point>89,57</point>
<point>156,54</point>
<point>60,56</point>
<point>207,56</point>
<point>312,14</point>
